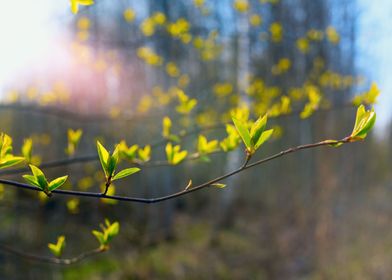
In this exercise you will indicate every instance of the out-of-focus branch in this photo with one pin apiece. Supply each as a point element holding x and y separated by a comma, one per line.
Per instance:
<point>52,260</point>
<point>74,116</point>
<point>94,157</point>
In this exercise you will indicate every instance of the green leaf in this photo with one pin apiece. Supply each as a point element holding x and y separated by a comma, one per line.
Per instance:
<point>205,147</point>
<point>103,157</point>
<point>166,124</point>
<point>100,237</point>
<point>57,248</point>
<point>364,121</point>
<point>145,153</point>
<point>243,132</point>
<point>40,176</point>
<point>257,129</point>
<point>74,136</point>
<point>5,145</point>
<point>9,161</point>
<point>36,171</point>
<point>333,143</point>
<point>360,113</point>
<point>112,162</point>
<point>56,183</point>
<point>219,185</point>
<point>112,231</point>
<point>27,148</point>
<point>32,180</point>
<point>264,137</point>
<point>125,172</point>
<point>179,156</point>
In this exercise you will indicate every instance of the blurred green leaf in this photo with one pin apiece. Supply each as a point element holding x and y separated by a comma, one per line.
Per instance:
<point>57,249</point>
<point>219,185</point>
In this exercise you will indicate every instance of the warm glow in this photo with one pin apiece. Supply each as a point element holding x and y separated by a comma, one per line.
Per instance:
<point>27,32</point>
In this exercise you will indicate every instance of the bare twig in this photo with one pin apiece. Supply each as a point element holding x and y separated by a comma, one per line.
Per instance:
<point>52,260</point>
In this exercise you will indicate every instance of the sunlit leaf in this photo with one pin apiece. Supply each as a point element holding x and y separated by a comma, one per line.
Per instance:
<point>56,183</point>
<point>257,129</point>
<point>125,172</point>
<point>103,157</point>
<point>32,180</point>
<point>243,132</point>
<point>364,121</point>
<point>264,137</point>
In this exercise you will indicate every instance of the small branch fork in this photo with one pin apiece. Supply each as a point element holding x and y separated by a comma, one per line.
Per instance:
<point>59,261</point>
<point>245,166</point>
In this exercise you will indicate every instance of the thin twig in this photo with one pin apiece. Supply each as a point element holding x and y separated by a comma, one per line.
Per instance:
<point>183,192</point>
<point>60,261</point>
<point>90,158</point>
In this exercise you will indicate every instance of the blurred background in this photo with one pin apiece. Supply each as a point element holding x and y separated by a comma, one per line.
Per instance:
<point>116,68</point>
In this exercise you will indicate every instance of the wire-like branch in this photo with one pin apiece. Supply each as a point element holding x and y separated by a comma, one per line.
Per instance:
<point>90,158</point>
<point>52,260</point>
<point>73,116</point>
<point>186,190</point>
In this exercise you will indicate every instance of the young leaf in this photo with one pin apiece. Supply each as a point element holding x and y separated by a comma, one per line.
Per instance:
<point>179,156</point>
<point>6,158</point>
<point>27,149</point>
<point>126,152</point>
<point>264,137</point>
<point>125,172</point>
<point>257,129</point>
<point>112,230</point>
<point>243,132</point>
<point>100,237</point>
<point>103,157</point>
<point>40,177</point>
<point>166,124</point>
<point>57,249</point>
<point>333,143</point>
<point>5,145</point>
<point>75,4</point>
<point>56,183</point>
<point>189,185</point>
<point>112,162</point>
<point>145,153</point>
<point>9,161</point>
<point>74,136</point>
<point>174,155</point>
<point>73,140</point>
<point>205,147</point>
<point>364,121</point>
<point>218,185</point>
<point>32,180</point>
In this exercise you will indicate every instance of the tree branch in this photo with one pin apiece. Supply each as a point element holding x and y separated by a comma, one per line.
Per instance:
<point>52,260</point>
<point>185,191</point>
